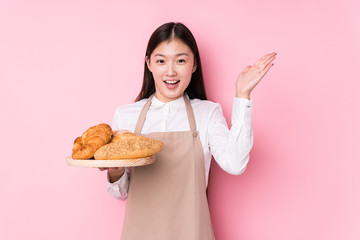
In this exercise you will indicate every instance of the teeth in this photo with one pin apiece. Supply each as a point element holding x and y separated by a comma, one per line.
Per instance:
<point>172,82</point>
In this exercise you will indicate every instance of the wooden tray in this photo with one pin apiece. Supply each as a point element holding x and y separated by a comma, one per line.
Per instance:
<point>110,163</point>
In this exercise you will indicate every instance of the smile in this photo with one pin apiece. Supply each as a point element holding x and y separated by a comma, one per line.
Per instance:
<point>172,81</point>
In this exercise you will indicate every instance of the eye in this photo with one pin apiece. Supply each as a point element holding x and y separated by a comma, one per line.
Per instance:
<point>181,61</point>
<point>160,61</point>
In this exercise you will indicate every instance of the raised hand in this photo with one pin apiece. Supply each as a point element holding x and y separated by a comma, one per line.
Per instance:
<point>251,75</point>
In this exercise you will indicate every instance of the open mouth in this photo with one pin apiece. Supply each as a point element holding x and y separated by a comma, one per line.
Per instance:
<point>171,84</point>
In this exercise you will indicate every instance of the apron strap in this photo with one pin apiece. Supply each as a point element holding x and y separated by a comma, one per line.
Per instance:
<point>190,114</point>
<point>142,117</point>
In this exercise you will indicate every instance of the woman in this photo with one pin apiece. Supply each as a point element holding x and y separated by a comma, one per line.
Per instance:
<point>167,200</point>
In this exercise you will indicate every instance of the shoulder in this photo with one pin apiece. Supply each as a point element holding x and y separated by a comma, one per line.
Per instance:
<point>125,116</point>
<point>131,107</point>
<point>207,114</point>
<point>205,106</point>
<point>206,111</point>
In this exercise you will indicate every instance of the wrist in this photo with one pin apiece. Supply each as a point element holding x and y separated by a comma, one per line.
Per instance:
<point>115,176</point>
<point>243,95</point>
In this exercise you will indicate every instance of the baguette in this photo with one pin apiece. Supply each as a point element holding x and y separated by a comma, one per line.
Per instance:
<point>128,146</point>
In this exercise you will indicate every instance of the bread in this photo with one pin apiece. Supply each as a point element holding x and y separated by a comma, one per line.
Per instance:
<point>128,146</point>
<point>118,135</point>
<point>91,140</point>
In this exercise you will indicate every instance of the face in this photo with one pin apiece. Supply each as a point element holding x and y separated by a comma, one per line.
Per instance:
<point>172,64</point>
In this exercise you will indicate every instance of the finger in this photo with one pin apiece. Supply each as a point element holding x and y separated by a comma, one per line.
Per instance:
<point>258,62</point>
<point>247,68</point>
<point>267,62</point>
<point>266,70</point>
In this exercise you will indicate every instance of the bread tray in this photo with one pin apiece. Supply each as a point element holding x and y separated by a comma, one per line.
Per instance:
<point>110,163</point>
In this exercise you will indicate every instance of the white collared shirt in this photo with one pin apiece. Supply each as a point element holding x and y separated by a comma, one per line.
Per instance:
<point>230,148</point>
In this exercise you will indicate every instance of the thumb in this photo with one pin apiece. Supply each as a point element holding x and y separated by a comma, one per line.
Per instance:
<point>247,68</point>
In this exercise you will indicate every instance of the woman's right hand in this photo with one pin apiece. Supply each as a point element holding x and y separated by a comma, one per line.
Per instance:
<point>115,173</point>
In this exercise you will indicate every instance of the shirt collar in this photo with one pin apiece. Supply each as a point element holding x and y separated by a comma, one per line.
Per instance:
<point>175,104</point>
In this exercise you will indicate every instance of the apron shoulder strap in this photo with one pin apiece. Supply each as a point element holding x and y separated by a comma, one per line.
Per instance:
<point>190,114</point>
<point>142,116</point>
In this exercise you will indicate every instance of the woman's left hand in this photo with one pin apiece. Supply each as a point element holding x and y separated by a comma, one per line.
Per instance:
<point>251,75</point>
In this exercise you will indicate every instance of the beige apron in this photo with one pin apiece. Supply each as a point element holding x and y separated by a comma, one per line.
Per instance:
<point>167,199</point>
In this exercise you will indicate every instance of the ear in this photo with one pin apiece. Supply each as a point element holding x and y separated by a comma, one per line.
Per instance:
<point>194,67</point>
<point>147,60</point>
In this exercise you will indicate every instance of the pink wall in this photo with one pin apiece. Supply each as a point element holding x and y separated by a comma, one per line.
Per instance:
<point>66,65</point>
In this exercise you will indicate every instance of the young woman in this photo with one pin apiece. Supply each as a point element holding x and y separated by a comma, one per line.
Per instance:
<point>167,199</point>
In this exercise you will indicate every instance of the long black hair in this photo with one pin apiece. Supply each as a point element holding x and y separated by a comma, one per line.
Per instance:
<point>167,32</point>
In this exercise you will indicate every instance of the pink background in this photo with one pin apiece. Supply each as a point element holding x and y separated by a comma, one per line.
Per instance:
<point>66,65</point>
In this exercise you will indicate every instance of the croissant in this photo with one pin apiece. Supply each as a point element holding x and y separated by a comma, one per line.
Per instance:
<point>128,146</point>
<point>91,140</point>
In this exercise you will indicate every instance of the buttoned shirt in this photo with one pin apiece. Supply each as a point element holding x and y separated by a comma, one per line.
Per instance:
<point>230,148</point>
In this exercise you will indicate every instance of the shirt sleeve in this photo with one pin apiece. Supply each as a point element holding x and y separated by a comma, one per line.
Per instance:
<point>119,189</point>
<point>231,148</point>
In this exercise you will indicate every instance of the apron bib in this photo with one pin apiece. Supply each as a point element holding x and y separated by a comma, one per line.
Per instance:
<point>167,199</point>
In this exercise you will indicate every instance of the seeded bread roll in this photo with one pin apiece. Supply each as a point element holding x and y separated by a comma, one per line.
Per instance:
<point>128,146</point>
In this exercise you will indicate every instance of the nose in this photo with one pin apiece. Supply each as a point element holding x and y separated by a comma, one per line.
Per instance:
<point>171,70</point>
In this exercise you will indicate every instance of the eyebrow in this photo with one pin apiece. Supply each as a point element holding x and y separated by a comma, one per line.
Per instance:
<point>177,55</point>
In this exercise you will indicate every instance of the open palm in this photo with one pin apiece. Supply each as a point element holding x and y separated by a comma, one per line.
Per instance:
<point>251,75</point>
